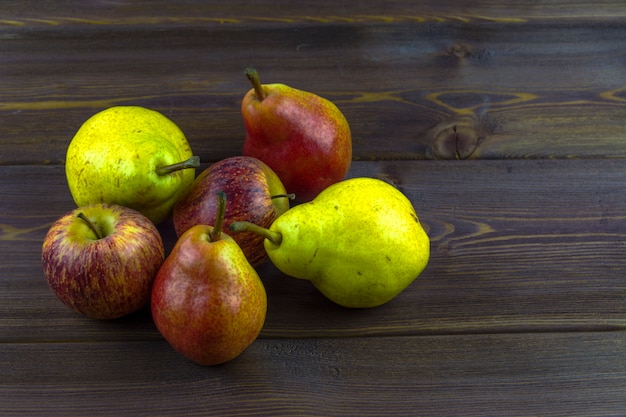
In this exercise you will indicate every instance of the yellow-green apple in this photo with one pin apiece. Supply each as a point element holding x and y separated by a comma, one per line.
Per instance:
<point>303,137</point>
<point>254,192</point>
<point>208,302</point>
<point>131,156</point>
<point>100,260</point>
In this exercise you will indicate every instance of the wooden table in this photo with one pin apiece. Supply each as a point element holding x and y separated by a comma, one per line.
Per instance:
<point>505,126</point>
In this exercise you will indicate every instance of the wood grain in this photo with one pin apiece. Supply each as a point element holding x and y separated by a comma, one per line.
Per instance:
<point>516,246</point>
<point>315,12</point>
<point>505,375</point>
<point>502,123</point>
<point>398,82</point>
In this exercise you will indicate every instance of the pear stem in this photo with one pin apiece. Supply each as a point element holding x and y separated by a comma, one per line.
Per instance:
<point>253,76</point>
<point>290,196</point>
<point>275,237</point>
<point>193,162</point>
<point>219,217</point>
<point>91,225</point>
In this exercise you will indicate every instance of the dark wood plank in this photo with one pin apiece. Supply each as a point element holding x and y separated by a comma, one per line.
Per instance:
<point>516,246</point>
<point>162,12</point>
<point>521,310</point>
<point>544,374</point>
<point>557,92</point>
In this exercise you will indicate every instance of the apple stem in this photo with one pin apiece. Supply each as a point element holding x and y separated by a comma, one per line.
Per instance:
<point>253,76</point>
<point>275,237</point>
<point>290,196</point>
<point>91,225</point>
<point>219,217</point>
<point>193,162</point>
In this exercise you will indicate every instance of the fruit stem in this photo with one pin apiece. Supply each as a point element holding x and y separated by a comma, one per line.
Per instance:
<point>193,162</point>
<point>253,76</point>
<point>91,225</point>
<point>290,196</point>
<point>219,217</point>
<point>275,237</point>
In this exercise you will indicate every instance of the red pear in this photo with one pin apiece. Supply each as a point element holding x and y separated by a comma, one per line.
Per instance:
<point>207,301</point>
<point>303,137</point>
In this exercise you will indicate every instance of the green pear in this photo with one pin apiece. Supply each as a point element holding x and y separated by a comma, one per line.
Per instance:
<point>131,156</point>
<point>359,242</point>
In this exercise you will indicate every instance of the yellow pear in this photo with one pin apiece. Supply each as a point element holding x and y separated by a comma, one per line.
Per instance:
<point>131,156</point>
<point>359,242</point>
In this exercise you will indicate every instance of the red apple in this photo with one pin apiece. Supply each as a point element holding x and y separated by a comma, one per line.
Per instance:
<point>208,302</point>
<point>303,137</point>
<point>254,193</point>
<point>100,260</point>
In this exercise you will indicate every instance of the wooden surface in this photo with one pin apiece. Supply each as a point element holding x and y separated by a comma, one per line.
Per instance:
<point>505,126</point>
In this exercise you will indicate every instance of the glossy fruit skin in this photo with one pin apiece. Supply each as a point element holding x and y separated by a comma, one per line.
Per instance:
<point>102,278</point>
<point>207,301</point>
<point>303,137</point>
<point>249,185</point>
<point>114,155</point>
<point>359,242</point>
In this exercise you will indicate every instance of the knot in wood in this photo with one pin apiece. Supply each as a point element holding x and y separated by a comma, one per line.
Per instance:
<point>459,50</point>
<point>454,141</point>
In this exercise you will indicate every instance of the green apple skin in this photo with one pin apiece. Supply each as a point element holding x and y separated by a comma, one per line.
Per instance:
<point>114,156</point>
<point>104,277</point>
<point>208,302</point>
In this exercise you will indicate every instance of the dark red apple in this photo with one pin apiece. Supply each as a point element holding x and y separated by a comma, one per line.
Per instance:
<point>100,260</point>
<point>254,193</point>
